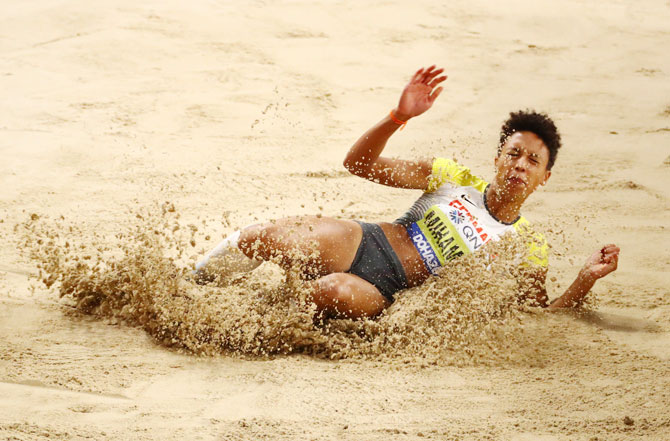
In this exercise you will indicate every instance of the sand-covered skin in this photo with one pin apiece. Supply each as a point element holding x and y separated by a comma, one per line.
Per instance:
<point>238,113</point>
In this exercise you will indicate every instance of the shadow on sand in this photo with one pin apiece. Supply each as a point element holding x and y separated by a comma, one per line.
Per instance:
<point>617,322</point>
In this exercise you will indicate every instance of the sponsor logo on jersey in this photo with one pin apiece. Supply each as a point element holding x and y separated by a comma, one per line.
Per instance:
<point>466,199</point>
<point>473,233</point>
<point>424,248</point>
<point>456,216</point>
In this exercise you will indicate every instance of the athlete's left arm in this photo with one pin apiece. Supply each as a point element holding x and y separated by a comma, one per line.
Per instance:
<point>532,286</point>
<point>533,281</point>
<point>597,266</point>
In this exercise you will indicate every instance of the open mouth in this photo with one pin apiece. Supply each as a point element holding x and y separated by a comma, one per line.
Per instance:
<point>516,181</point>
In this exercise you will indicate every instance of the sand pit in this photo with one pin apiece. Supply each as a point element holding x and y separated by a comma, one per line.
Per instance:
<point>136,136</point>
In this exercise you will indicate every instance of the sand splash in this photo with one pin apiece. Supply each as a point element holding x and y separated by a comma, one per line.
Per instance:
<point>141,277</point>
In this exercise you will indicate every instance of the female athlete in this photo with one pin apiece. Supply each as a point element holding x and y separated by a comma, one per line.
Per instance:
<point>357,267</point>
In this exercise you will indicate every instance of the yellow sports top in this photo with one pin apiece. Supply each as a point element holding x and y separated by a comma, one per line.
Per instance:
<point>452,219</point>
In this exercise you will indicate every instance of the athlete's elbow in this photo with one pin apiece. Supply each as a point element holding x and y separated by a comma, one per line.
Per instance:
<point>348,164</point>
<point>354,167</point>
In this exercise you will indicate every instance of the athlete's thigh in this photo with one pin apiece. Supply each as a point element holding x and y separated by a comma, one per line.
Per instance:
<point>347,295</point>
<point>331,243</point>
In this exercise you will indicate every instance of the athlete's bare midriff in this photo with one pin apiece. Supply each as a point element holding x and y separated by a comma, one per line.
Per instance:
<point>411,261</point>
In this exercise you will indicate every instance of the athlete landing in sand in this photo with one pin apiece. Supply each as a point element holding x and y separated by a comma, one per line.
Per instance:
<point>360,266</point>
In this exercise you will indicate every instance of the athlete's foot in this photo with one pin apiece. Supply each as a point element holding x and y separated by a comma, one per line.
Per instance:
<point>219,278</point>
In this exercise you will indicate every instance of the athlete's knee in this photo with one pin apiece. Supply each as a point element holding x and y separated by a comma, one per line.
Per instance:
<point>252,240</point>
<point>343,292</point>
<point>331,291</point>
<point>342,295</point>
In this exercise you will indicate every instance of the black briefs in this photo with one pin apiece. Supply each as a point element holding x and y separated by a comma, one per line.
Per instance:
<point>377,263</point>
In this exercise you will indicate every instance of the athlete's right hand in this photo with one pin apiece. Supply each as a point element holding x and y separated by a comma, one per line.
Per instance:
<point>420,93</point>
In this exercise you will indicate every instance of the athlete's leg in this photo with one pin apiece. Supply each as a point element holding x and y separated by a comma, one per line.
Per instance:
<point>229,247</point>
<point>345,295</point>
<point>224,260</point>
<point>323,244</point>
<point>331,245</point>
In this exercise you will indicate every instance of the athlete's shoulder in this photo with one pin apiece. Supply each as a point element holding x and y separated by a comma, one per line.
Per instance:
<point>445,170</point>
<point>538,247</point>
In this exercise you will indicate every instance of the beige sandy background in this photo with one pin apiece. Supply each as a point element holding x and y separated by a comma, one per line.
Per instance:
<point>243,111</point>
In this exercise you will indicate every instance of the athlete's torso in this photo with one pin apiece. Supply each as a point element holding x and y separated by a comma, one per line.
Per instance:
<point>451,219</point>
<point>458,223</point>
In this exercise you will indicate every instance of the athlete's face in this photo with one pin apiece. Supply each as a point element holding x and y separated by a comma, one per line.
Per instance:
<point>521,165</point>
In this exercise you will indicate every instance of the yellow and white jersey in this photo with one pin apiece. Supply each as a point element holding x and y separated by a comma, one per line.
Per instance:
<point>452,219</point>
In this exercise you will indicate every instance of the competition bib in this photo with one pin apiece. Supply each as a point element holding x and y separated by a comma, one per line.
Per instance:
<point>451,219</point>
<point>448,231</point>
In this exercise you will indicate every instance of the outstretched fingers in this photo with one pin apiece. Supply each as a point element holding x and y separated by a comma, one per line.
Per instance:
<point>417,76</point>
<point>426,73</point>
<point>433,96</point>
<point>437,81</point>
<point>430,74</point>
<point>427,76</point>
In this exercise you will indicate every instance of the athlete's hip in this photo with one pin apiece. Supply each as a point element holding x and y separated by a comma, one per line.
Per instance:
<point>409,257</point>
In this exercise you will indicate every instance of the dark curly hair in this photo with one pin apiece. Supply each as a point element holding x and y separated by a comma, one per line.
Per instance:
<point>538,123</point>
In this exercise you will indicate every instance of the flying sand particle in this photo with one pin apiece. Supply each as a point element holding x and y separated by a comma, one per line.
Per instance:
<point>471,313</point>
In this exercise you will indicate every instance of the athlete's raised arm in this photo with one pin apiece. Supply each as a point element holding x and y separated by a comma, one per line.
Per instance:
<point>363,158</point>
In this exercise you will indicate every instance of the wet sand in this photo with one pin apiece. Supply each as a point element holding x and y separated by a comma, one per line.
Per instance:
<point>239,113</point>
